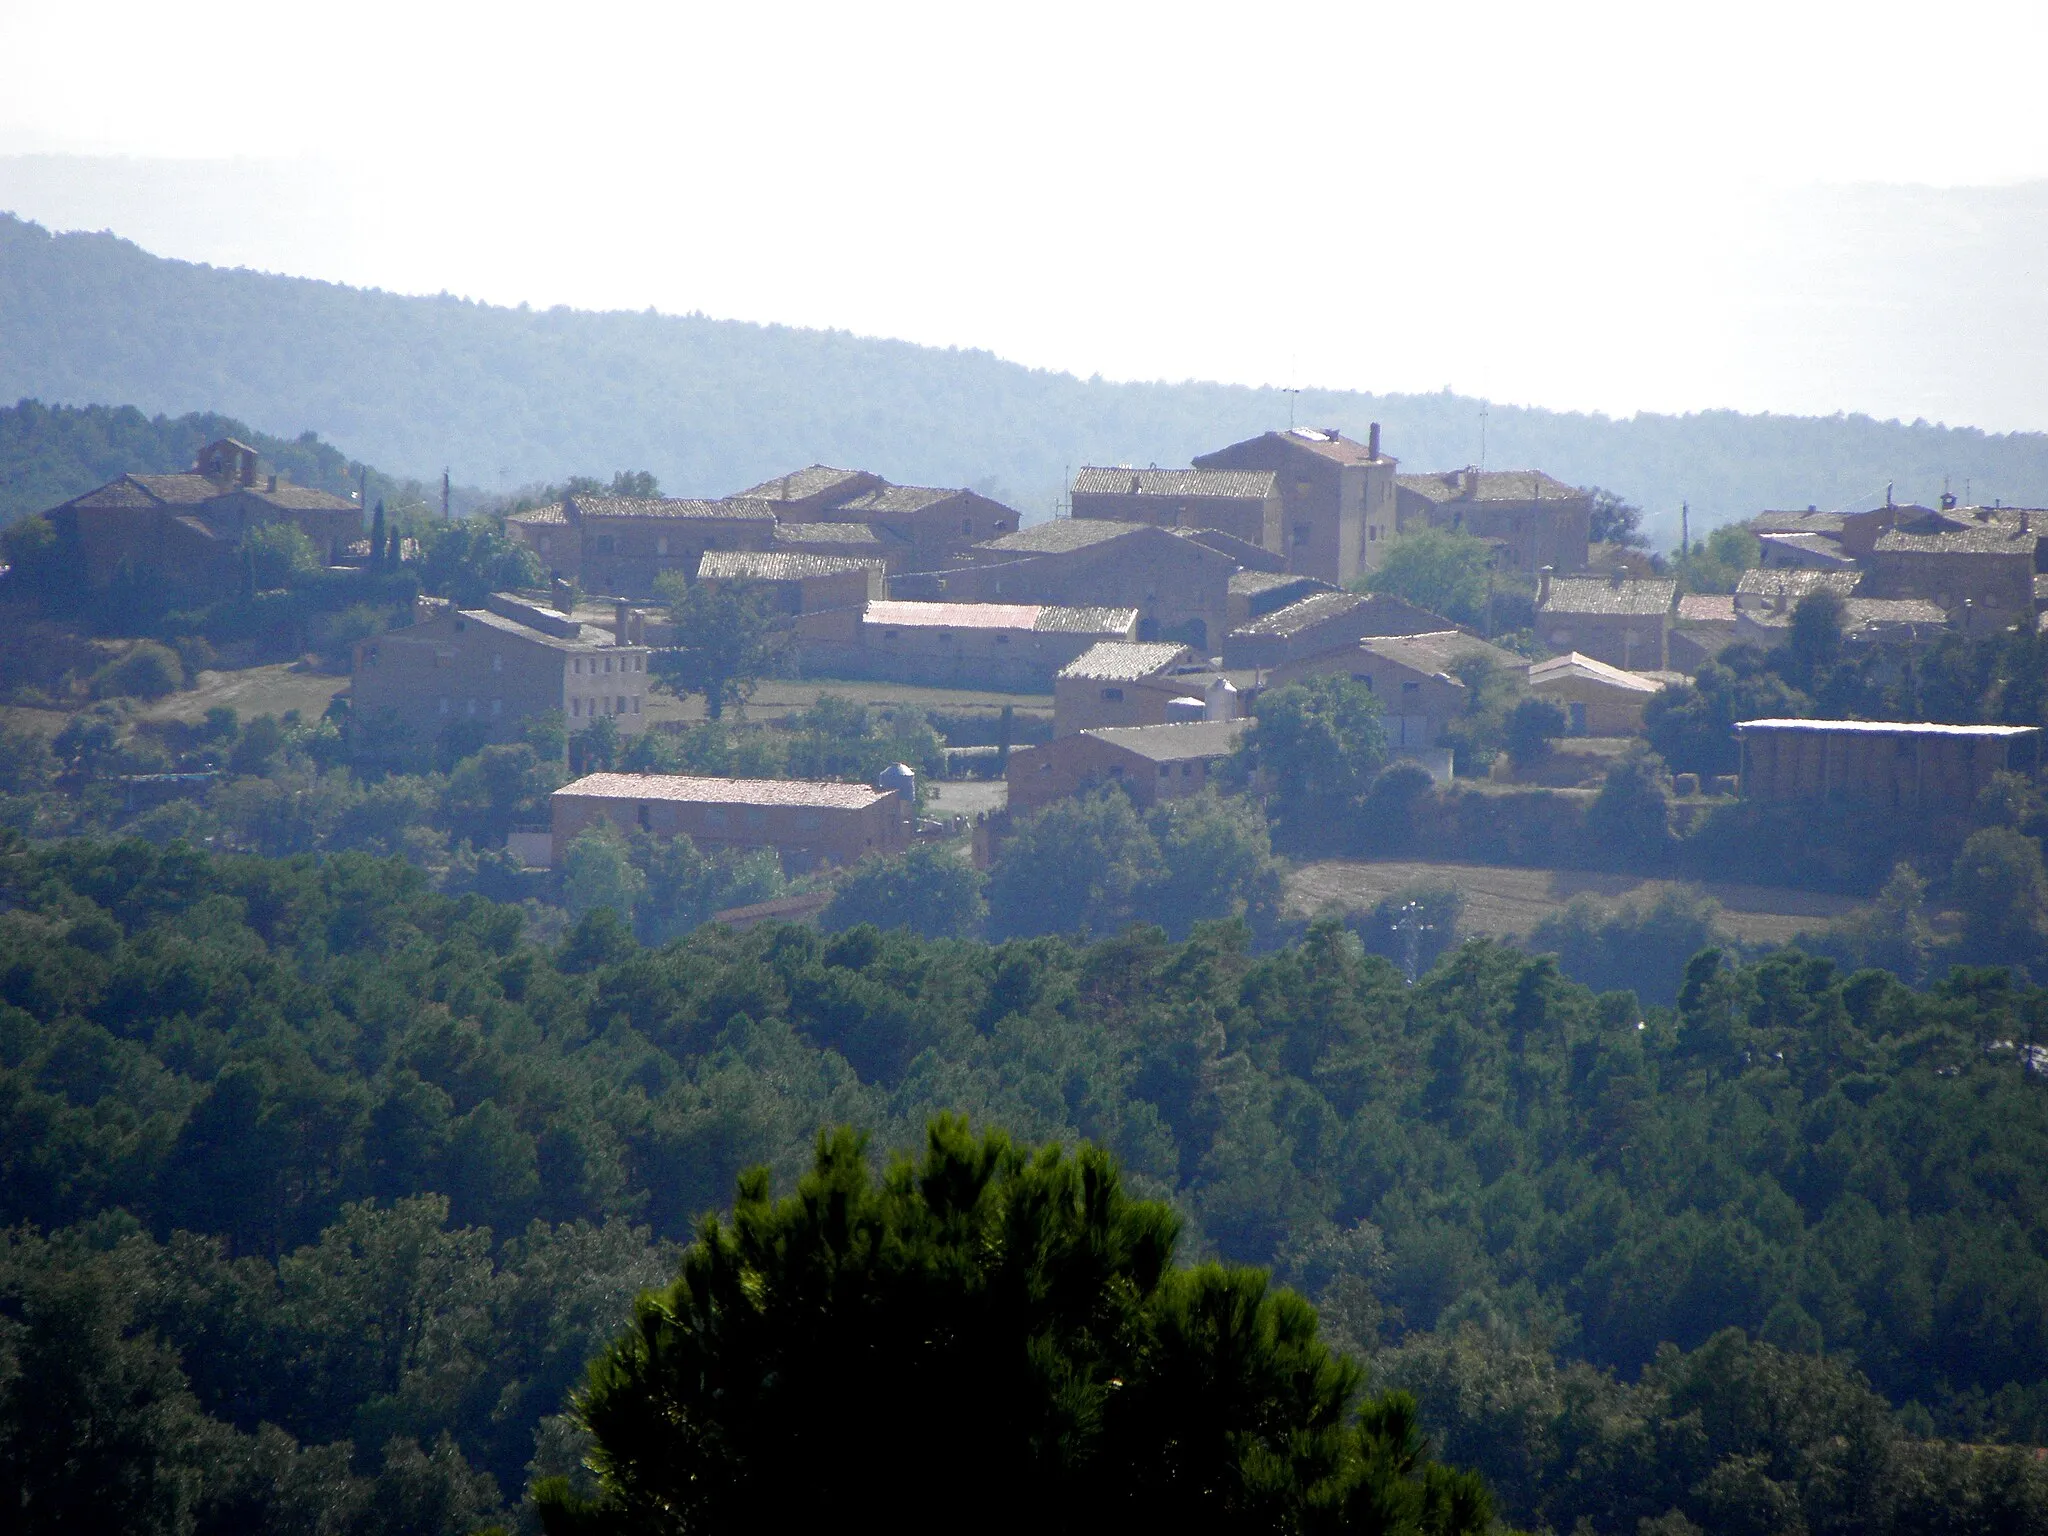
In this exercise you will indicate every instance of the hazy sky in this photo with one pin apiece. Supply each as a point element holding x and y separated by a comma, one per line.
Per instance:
<point>1620,207</point>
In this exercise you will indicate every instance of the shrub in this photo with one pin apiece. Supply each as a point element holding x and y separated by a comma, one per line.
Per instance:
<point>147,671</point>
<point>929,890</point>
<point>1532,725</point>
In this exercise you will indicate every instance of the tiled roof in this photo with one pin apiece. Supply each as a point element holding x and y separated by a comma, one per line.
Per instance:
<point>1230,484</point>
<point>122,493</point>
<point>1792,583</point>
<point>897,499</point>
<point>805,484</point>
<point>1044,618</point>
<point>1086,621</point>
<point>301,498</point>
<point>1572,664</point>
<point>1122,661</point>
<point>1249,583</point>
<point>1797,522</point>
<point>591,634</point>
<point>1996,538</point>
<point>854,535</point>
<point>699,791</point>
<point>774,565</point>
<point>1889,728</point>
<point>1299,616</point>
<point>1438,650</point>
<point>1823,546</point>
<point>732,509</point>
<point>1326,442</point>
<point>1707,608</point>
<point>1060,536</point>
<point>186,490</point>
<point>1860,611</point>
<point>1174,743</point>
<point>548,516</point>
<point>1494,485</point>
<point>1591,594</point>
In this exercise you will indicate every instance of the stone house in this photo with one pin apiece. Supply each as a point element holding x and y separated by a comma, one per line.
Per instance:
<point>1625,623</point>
<point>1598,700</point>
<point>554,538</point>
<point>933,525</point>
<point>1703,628</point>
<point>1533,519</point>
<point>809,823</point>
<point>1005,647</point>
<point>1116,682</point>
<point>1326,621</point>
<point>853,541</point>
<point>627,542</point>
<point>1779,588</point>
<point>187,529</point>
<point>1254,594</point>
<point>802,494</point>
<point>1337,501</point>
<point>487,671</point>
<point>1412,676</point>
<point>1181,588</point>
<point>1981,576</point>
<point>798,583</point>
<point>1244,503</point>
<point>1151,762</point>
<point>1904,766</point>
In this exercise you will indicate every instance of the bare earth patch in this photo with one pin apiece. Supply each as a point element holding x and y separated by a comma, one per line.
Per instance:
<point>1509,902</point>
<point>251,691</point>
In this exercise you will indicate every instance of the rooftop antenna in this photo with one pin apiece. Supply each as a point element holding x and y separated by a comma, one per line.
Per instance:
<point>1292,395</point>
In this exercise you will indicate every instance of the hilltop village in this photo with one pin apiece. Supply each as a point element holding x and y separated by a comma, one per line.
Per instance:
<point>1518,649</point>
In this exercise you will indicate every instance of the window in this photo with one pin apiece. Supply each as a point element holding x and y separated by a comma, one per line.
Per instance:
<point>607,663</point>
<point>646,818</point>
<point>1301,533</point>
<point>1187,770</point>
<point>888,634</point>
<point>577,664</point>
<point>714,816</point>
<point>1166,770</point>
<point>461,625</point>
<point>1116,770</point>
<point>370,656</point>
<point>622,704</point>
<point>575,709</point>
<point>1411,687</point>
<point>1112,695</point>
<point>1372,533</point>
<point>1002,639</point>
<point>1363,677</point>
<point>636,703</point>
<point>967,525</point>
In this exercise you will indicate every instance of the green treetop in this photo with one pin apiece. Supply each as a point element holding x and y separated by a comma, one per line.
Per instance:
<point>990,1335</point>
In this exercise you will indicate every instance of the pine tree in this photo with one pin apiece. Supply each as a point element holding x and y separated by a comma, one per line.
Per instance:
<point>377,539</point>
<point>991,1335</point>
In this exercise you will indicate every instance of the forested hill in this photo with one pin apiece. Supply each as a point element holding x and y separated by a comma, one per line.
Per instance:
<point>511,396</point>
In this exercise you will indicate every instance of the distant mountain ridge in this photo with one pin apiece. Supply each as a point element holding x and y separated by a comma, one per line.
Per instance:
<point>516,396</point>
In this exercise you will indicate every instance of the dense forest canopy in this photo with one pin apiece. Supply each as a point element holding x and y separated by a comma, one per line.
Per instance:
<point>336,1181</point>
<point>512,396</point>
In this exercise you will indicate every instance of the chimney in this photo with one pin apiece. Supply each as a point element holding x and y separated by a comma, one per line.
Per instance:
<point>1543,586</point>
<point>1948,502</point>
<point>1471,489</point>
<point>622,624</point>
<point>1372,441</point>
<point>1888,494</point>
<point>2026,521</point>
<point>1617,576</point>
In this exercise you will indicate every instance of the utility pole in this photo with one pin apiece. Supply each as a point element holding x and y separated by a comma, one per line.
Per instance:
<point>1684,529</point>
<point>445,488</point>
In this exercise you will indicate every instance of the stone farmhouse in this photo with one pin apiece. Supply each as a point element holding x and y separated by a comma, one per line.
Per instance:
<point>1530,518</point>
<point>1180,588</point>
<point>809,823</point>
<point>1013,647</point>
<point>1322,623</point>
<point>1337,497</point>
<point>1117,682</point>
<point>187,529</point>
<point>1625,623</point>
<point>1244,503</point>
<point>802,494</point>
<point>1980,575</point>
<point>798,583</point>
<point>1413,677</point>
<point>487,671</point>
<point>1598,700</point>
<point>1917,767</point>
<point>1151,762</point>
<point>930,524</point>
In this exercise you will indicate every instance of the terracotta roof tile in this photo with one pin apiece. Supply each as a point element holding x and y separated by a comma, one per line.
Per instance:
<point>1592,594</point>
<point>1123,661</point>
<point>702,791</point>
<point>1227,484</point>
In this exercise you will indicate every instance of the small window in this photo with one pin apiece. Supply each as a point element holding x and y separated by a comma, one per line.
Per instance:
<point>967,525</point>
<point>607,663</point>
<point>1301,533</point>
<point>646,817</point>
<point>636,703</point>
<point>1166,770</point>
<point>1002,639</point>
<point>1411,687</point>
<point>577,664</point>
<point>888,634</point>
<point>461,625</point>
<point>1112,695</point>
<point>1363,677</point>
<point>1187,770</point>
<point>622,703</point>
<point>575,709</point>
<point>1116,771</point>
